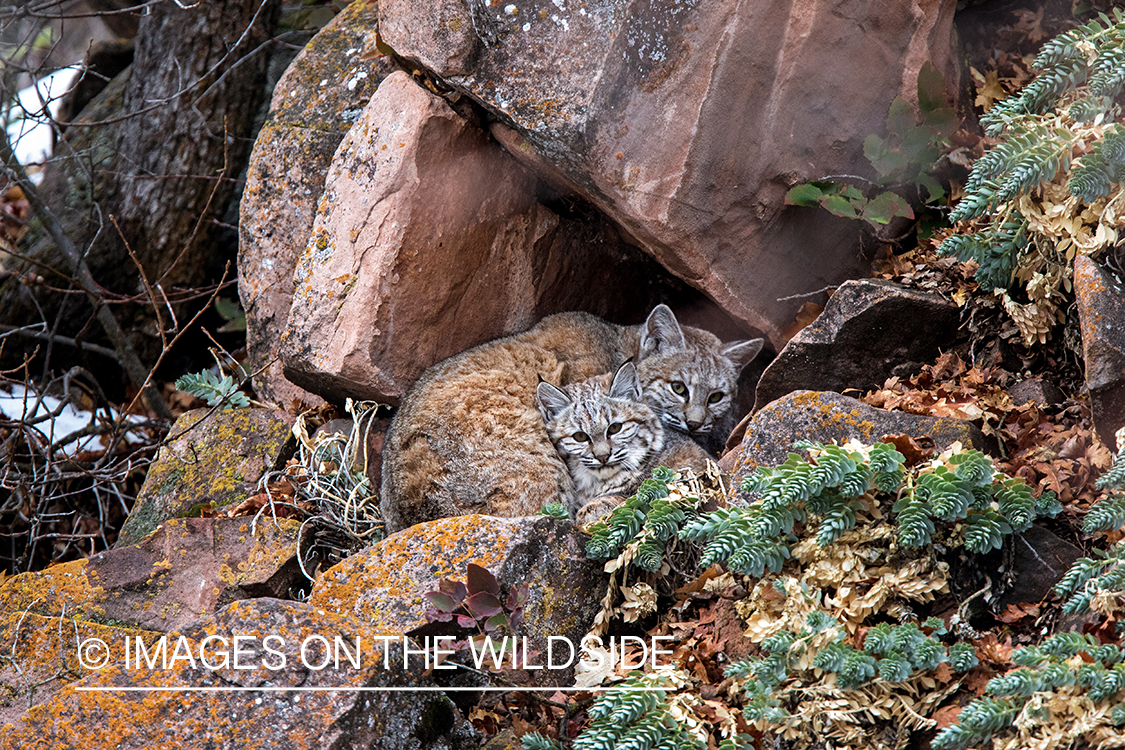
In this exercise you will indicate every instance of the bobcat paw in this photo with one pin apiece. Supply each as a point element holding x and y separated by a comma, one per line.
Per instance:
<point>596,508</point>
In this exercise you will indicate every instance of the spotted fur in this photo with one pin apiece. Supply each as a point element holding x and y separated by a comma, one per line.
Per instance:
<point>688,376</point>
<point>606,437</point>
<point>469,438</point>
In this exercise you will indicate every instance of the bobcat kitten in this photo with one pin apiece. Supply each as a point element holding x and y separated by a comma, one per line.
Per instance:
<point>468,436</point>
<point>609,441</point>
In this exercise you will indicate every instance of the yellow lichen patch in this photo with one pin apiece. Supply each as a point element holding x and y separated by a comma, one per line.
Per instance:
<point>49,592</point>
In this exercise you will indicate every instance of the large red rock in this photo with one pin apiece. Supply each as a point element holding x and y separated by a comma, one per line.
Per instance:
<point>314,104</point>
<point>384,584</point>
<point>687,122</point>
<point>1101,313</point>
<point>273,690</point>
<point>429,240</point>
<point>188,569</point>
<point>869,327</point>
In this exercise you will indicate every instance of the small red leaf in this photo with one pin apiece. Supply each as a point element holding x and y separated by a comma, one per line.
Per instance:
<point>484,604</point>
<point>480,580</point>
<point>456,589</point>
<point>442,602</point>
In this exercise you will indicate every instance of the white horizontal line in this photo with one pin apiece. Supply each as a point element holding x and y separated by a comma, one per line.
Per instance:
<point>393,689</point>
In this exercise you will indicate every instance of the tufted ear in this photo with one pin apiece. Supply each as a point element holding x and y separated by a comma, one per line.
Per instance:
<point>741,353</point>
<point>661,332</point>
<point>626,385</point>
<point>552,400</point>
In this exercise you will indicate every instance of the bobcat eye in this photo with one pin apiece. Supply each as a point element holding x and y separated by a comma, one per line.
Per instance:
<point>614,429</point>
<point>581,437</point>
<point>679,388</point>
<point>715,397</point>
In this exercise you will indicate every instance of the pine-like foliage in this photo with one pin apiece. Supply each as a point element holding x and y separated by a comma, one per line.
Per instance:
<point>536,741</point>
<point>1104,574</point>
<point>893,653</point>
<point>651,517</point>
<point>635,717</point>
<point>214,389</point>
<point>1069,108</point>
<point>1068,663</point>
<point>823,493</point>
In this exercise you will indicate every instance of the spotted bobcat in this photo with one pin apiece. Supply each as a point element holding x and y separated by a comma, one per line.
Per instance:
<point>609,440</point>
<point>468,436</point>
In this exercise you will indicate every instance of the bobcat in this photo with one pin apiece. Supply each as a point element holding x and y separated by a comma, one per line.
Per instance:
<point>468,437</point>
<point>609,440</point>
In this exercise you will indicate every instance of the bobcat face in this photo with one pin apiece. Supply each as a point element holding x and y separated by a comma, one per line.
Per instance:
<point>690,380</point>
<point>605,438</point>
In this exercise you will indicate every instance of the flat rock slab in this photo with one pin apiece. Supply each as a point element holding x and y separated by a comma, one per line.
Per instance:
<point>41,658</point>
<point>1040,558</point>
<point>215,457</point>
<point>429,239</point>
<point>687,122</point>
<point>1101,313</point>
<point>314,105</point>
<point>384,584</point>
<point>824,417</point>
<point>867,328</point>
<point>249,719</point>
<point>188,569</point>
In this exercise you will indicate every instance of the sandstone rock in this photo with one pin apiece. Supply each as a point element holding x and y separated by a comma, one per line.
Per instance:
<point>868,327</point>
<point>217,458</point>
<point>314,105</point>
<point>266,715</point>
<point>824,417</point>
<point>41,659</point>
<point>188,569</point>
<point>384,584</point>
<point>1035,390</point>
<point>1039,560</point>
<point>1101,313</point>
<point>429,240</point>
<point>687,122</point>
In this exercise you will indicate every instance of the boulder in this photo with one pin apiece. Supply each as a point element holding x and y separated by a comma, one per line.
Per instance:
<point>1101,314</point>
<point>384,584</point>
<point>41,659</point>
<point>686,123</point>
<point>429,240</point>
<point>868,327</point>
<point>824,417</point>
<point>214,457</point>
<point>188,569</point>
<point>314,104</point>
<point>1039,560</point>
<point>249,701</point>
<point>1035,390</point>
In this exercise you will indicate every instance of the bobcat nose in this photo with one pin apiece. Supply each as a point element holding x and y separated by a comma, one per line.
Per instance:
<point>603,458</point>
<point>693,426</point>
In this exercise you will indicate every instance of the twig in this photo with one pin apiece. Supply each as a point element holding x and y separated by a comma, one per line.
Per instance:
<point>85,280</point>
<point>7,330</point>
<point>807,294</point>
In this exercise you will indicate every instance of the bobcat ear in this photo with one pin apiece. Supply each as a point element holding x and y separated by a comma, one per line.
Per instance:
<point>552,400</point>
<point>661,332</point>
<point>626,385</point>
<point>742,352</point>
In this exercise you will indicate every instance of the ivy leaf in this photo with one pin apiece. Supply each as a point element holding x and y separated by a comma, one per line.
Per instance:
<point>931,88</point>
<point>807,194</point>
<point>885,206</point>
<point>839,205</point>
<point>901,118</point>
